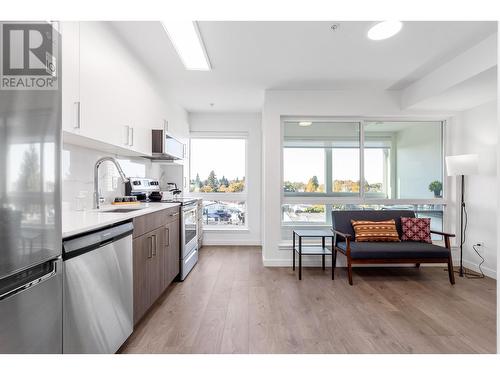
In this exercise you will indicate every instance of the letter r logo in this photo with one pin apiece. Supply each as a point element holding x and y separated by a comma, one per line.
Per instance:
<point>27,49</point>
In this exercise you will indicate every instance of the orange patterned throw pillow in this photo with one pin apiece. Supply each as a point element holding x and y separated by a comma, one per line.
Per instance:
<point>368,231</point>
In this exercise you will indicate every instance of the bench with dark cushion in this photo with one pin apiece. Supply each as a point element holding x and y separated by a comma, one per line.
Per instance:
<point>385,252</point>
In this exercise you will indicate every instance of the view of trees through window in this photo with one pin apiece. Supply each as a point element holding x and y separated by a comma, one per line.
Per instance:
<point>402,160</point>
<point>217,175</point>
<point>212,184</point>
<point>304,170</point>
<point>217,165</point>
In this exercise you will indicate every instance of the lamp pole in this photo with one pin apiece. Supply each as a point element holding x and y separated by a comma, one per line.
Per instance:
<point>462,207</point>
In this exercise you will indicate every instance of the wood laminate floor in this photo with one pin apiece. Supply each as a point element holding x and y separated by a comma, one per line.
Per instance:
<point>231,303</point>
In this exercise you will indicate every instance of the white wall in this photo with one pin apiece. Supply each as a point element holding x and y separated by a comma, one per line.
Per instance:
<point>380,104</point>
<point>250,124</point>
<point>78,174</point>
<point>476,131</point>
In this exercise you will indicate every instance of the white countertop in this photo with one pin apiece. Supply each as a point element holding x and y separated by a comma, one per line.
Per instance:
<point>76,222</point>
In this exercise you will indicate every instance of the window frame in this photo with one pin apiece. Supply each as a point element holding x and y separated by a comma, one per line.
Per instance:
<point>231,197</point>
<point>328,173</point>
<point>362,198</point>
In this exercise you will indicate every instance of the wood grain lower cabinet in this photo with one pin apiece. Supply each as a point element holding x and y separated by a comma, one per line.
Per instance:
<point>148,251</point>
<point>156,257</point>
<point>141,276</point>
<point>172,252</point>
<point>156,270</point>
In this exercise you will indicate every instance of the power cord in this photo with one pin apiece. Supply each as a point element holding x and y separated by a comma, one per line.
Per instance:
<point>468,274</point>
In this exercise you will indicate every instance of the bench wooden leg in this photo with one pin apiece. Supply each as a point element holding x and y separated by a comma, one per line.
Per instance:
<point>451,274</point>
<point>334,263</point>
<point>323,256</point>
<point>300,258</point>
<point>349,271</point>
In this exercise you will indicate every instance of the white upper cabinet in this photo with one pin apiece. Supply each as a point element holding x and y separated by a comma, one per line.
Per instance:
<point>70,76</point>
<point>108,95</point>
<point>110,99</point>
<point>110,82</point>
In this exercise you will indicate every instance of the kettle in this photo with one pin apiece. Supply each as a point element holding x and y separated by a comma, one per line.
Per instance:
<point>172,187</point>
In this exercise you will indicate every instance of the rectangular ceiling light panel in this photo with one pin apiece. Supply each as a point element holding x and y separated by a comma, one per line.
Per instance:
<point>186,39</point>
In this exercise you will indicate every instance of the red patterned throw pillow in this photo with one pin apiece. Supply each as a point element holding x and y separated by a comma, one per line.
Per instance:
<point>416,229</point>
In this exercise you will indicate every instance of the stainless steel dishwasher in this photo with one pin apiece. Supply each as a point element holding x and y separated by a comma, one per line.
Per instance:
<point>98,290</point>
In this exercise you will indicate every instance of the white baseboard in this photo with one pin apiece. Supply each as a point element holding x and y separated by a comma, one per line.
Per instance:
<point>230,242</point>
<point>474,267</point>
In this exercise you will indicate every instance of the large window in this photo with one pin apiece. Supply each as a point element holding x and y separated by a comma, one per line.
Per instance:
<point>218,175</point>
<point>217,165</point>
<point>345,170</point>
<point>403,160</point>
<point>321,159</point>
<point>304,170</point>
<point>361,165</point>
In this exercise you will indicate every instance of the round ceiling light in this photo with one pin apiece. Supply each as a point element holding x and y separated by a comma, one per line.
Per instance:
<point>384,30</point>
<point>305,123</point>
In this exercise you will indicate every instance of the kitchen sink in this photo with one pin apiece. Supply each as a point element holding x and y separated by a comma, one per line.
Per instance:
<point>122,210</point>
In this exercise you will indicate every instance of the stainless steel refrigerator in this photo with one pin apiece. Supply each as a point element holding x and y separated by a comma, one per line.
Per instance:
<point>30,213</point>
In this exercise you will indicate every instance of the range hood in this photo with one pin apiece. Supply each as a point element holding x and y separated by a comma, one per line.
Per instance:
<point>166,147</point>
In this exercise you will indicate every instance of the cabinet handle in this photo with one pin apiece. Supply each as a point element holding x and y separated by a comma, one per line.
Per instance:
<point>173,215</point>
<point>77,124</point>
<point>167,234</point>
<point>155,244</point>
<point>150,249</point>
<point>131,136</point>
<point>127,137</point>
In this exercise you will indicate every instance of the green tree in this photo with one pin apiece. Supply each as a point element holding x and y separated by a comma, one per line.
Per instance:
<point>212,181</point>
<point>312,185</point>
<point>197,181</point>
<point>29,179</point>
<point>223,181</point>
<point>289,186</point>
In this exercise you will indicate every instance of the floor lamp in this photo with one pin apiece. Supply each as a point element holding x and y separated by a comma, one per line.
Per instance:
<point>462,165</point>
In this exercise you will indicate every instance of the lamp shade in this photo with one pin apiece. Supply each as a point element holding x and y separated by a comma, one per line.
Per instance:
<point>462,164</point>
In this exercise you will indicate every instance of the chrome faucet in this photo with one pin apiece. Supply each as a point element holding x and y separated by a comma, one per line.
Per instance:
<point>97,197</point>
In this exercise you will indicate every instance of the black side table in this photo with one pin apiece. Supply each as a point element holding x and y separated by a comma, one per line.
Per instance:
<point>313,250</point>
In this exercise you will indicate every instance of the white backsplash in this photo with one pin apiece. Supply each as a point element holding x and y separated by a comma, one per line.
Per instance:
<point>78,174</point>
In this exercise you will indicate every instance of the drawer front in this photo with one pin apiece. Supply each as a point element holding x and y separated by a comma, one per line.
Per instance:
<point>172,214</point>
<point>146,223</point>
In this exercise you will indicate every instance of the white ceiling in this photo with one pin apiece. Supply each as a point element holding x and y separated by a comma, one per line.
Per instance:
<point>481,88</point>
<point>250,57</point>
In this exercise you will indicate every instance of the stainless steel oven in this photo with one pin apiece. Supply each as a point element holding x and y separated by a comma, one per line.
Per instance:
<point>189,237</point>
